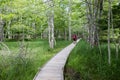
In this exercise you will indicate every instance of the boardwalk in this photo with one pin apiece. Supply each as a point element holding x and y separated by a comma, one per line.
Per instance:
<point>54,69</point>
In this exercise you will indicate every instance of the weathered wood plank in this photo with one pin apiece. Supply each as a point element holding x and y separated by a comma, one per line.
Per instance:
<point>53,70</point>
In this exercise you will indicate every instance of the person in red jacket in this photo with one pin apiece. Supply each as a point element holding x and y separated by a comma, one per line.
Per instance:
<point>74,37</point>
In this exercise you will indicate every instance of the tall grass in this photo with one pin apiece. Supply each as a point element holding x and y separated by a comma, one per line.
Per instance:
<point>86,63</point>
<point>17,67</point>
<point>26,59</point>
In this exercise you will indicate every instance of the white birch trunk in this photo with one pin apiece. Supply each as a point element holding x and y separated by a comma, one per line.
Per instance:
<point>65,34</point>
<point>69,20</point>
<point>34,27</point>
<point>109,12</point>
<point>52,41</point>
<point>113,35</point>
<point>49,33</point>
<point>52,30</point>
<point>41,34</point>
<point>8,30</point>
<point>89,12</point>
<point>92,16</point>
<point>1,30</point>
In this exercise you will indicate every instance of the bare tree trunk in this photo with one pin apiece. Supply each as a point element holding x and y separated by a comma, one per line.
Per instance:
<point>34,27</point>
<point>94,12</point>
<point>84,32</point>
<point>113,36</point>
<point>59,35</point>
<point>119,35</point>
<point>8,30</point>
<point>49,33</point>
<point>65,34</point>
<point>109,21</point>
<point>90,16</point>
<point>52,41</point>
<point>96,17</point>
<point>93,15</point>
<point>69,24</point>
<point>52,30</point>
<point>119,42</point>
<point>69,32</point>
<point>41,34</point>
<point>1,30</point>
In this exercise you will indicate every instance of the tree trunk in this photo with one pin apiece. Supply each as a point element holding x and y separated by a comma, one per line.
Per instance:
<point>41,34</point>
<point>65,34</point>
<point>8,30</point>
<point>90,22</point>
<point>113,36</point>
<point>1,30</point>
<point>58,34</point>
<point>69,20</point>
<point>51,24</point>
<point>93,15</point>
<point>109,16</point>
<point>119,41</point>
<point>34,27</point>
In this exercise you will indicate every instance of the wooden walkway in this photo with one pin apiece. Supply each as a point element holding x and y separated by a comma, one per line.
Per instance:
<point>54,69</point>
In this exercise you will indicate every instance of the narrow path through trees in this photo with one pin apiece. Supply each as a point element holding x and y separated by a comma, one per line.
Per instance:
<point>53,70</point>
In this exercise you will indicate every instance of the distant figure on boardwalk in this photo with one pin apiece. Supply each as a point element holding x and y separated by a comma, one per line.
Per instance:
<point>74,37</point>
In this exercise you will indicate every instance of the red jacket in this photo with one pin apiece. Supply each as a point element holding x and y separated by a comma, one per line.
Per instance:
<point>74,37</point>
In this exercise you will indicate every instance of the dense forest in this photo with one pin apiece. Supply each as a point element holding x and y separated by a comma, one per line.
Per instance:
<point>52,22</point>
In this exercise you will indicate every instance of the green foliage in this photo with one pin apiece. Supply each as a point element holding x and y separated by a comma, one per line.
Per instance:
<point>19,14</point>
<point>115,36</point>
<point>90,64</point>
<point>21,28</point>
<point>116,16</point>
<point>34,14</point>
<point>8,17</point>
<point>21,31</point>
<point>103,22</point>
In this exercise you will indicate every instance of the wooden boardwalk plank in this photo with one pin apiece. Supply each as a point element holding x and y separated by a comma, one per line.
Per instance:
<point>54,69</point>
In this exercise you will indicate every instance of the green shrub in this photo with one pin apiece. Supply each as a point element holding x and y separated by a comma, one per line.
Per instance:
<point>93,65</point>
<point>17,67</point>
<point>26,58</point>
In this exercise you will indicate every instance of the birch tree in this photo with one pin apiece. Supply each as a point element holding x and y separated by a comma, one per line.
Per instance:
<point>1,30</point>
<point>113,35</point>
<point>50,14</point>
<point>91,16</point>
<point>69,19</point>
<point>109,21</point>
<point>94,12</point>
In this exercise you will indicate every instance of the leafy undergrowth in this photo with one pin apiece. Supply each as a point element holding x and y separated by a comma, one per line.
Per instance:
<point>86,63</point>
<point>26,59</point>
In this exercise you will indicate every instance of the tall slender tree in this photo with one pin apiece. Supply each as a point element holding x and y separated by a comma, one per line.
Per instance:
<point>1,29</point>
<point>94,12</point>
<point>109,25</point>
<point>69,19</point>
<point>51,23</point>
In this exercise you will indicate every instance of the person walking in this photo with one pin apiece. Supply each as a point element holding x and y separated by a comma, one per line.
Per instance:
<point>74,37</point>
